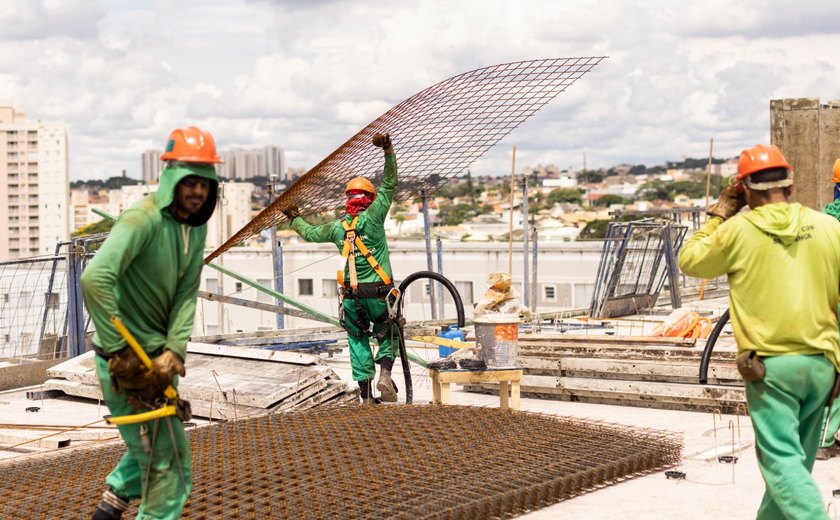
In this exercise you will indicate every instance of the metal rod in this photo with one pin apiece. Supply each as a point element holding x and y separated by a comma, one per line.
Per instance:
<point>276,255</point>
<point>534,273</point>
<point>510,214</point>
<point>709,174</point>
<point>439,247</point>
<point>275,294</point>
<point>268,307</point>
<point>525,277</point>
<point>427,233</point>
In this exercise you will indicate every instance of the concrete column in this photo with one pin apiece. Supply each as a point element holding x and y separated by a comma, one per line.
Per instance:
<point>808,133</point>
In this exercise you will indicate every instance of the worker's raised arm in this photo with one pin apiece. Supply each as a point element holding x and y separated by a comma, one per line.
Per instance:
<point>378,210</point>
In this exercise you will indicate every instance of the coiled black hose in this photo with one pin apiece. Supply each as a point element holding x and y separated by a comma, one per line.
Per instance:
<point>459,307</point>
<point>710,345</point>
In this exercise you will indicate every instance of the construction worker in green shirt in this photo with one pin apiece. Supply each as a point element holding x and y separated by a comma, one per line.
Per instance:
<point>147,274</point>
<point>365,283</point>
<point>783,264</point>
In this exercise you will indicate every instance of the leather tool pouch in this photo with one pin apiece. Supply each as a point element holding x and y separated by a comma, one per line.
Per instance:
<point>750,366</point>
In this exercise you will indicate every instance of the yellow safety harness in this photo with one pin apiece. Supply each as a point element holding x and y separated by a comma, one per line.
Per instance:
<point>353,245</point>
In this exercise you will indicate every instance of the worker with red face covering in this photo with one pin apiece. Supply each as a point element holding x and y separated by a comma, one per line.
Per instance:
<point>366,280</point>
<point>147,274</point>
<point>783,264</point>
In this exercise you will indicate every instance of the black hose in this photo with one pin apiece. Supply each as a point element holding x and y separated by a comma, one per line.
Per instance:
<point>459,306</point>
<point>710,345</point>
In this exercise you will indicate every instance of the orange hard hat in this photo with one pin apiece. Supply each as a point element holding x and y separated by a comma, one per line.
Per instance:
<point>190,145</point>
<point>836,177</point>
<point>759,158</point>
<point>360,184</point>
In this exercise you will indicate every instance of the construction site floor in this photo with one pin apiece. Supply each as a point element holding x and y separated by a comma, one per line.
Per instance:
<point>710,489</point>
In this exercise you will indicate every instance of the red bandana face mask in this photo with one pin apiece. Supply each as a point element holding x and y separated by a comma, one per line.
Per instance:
<point>357,202</point>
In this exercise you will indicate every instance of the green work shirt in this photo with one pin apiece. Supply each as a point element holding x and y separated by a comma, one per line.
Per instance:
<point>148,270</point>
<point>370,227</point>
<point>783,265</point>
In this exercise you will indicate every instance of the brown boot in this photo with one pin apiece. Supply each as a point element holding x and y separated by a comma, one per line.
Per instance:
<point>385,385</point>
<point>369,401</point>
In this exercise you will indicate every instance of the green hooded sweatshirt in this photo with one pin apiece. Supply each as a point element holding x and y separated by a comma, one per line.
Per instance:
<point>783,265</point>
<point>148,270</point>
<point>370,227</point>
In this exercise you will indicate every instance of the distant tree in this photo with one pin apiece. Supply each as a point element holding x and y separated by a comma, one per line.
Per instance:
<point>608,200</point>
<point>571,196</point>
<point>594,230</point>
<point>590,176</point>
<point>115,183</point>
<point>639,169</point>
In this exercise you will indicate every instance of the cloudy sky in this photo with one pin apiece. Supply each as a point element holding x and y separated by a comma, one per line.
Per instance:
<point>308,74</point>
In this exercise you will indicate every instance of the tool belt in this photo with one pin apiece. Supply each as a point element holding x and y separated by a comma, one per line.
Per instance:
<point>366,290</point>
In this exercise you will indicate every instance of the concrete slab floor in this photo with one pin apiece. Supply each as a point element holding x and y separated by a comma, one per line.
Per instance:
<point>711,489</point>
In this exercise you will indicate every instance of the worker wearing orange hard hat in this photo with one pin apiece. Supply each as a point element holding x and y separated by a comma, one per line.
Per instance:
<point>365,284</point>
<point>147,274</point>
<point>783,264</point>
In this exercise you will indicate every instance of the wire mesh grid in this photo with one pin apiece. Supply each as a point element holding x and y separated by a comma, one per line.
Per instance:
<point>437,133</point>
<point>38,295</point>
<point>634,260</point>
<point>396,461</point>
<point>33,306</point>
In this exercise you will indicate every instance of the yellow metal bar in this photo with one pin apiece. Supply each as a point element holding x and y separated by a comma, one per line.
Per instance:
<point>444,342</point>
<point>158,413</point>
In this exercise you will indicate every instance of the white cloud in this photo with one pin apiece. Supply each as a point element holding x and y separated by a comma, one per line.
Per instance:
<point>308,75</point>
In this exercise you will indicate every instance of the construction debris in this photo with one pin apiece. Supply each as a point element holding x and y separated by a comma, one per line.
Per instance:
<point>444,462</point>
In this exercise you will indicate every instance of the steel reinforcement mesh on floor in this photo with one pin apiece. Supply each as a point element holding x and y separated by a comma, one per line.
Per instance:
<point>398,461</point>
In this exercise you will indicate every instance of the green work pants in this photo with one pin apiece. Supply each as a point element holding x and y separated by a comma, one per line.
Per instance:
<point>786,409</point>
<point>166,494</point>
<point>361,357</point>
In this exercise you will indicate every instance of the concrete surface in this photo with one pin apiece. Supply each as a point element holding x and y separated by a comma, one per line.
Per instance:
<point>710,489</point>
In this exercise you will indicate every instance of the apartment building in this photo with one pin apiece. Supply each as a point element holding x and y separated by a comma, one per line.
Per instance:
<point>151,166</point>
<point>241,164</point>
<point>34,185</point>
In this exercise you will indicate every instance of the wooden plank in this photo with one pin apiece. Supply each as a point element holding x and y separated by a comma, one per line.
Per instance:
<point>636,370</point>
<point>659,395</point>
<point>280,356</point>
<point>465,376</point>
<point>609,351</point>
<point>606,339</point>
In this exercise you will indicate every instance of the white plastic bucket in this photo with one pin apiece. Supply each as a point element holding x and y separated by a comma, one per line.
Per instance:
<point>497,337</point>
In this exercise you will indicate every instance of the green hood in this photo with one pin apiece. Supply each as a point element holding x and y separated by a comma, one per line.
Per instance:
<point>833,209</point>
<point>780,220</point>
<point>172,175</point>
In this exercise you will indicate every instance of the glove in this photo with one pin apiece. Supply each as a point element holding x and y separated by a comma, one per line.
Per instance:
<point>383,141</point>
<point>292,212</point>
<point>728,204</point>
<point>127,371</point>
<point>166,366</point>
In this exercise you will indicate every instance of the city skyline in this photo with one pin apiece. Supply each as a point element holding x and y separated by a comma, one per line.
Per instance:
<point>307,76</point>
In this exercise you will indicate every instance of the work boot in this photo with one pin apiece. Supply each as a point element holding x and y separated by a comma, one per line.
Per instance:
<point>828,452</point>
<point>112,506</point>
<point>369,401</point>
<point>385,385</point>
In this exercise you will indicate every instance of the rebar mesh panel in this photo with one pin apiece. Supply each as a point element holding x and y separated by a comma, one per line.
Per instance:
<point>397,461</point>
<point>437,133</point>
